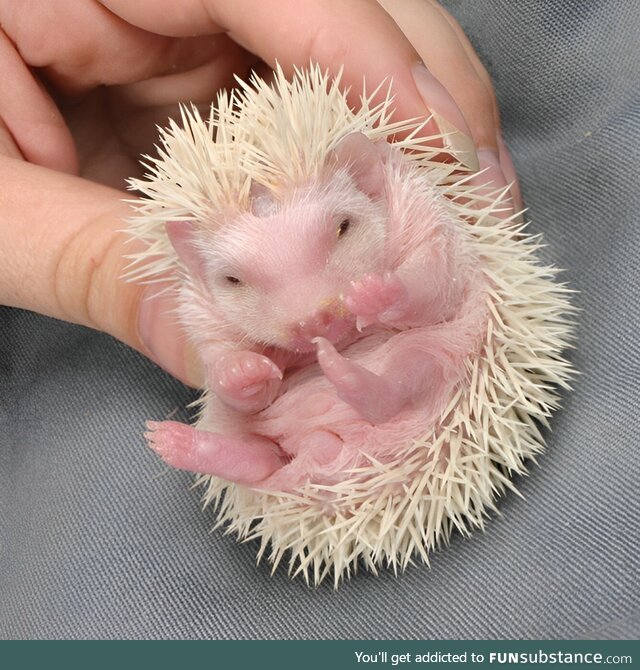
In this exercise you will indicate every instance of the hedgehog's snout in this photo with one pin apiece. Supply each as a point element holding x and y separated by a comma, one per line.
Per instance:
<point>332,321</point>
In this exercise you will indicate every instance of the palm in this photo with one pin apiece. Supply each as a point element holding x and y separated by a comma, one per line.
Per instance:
<point>106,145</point>
<point>111,135</point>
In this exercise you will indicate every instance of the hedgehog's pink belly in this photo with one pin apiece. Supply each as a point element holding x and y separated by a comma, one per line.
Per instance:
<point>326,438</point>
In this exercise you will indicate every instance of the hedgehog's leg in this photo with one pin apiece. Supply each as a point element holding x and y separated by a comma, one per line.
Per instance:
<point>411,375</point>
<point>244,460</point>
<point>375,398</point>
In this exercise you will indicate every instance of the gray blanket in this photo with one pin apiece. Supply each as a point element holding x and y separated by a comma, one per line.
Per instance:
<point>99,539</point>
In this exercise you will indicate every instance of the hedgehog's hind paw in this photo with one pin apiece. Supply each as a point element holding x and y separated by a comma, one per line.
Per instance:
<point>373,397</point>
<point>241,459</point>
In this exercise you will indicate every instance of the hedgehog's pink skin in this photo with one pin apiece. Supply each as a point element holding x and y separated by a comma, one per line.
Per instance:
<point>245,380</point>
<point>244,460</point>
<point>275,276</point>
<point>330,323</point>
<point>331,416</point>
<point>374,298</point>
<point>364,269</point>
<point>378,398</point>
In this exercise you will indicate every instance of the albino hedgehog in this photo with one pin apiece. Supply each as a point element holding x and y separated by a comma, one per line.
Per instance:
<point>380,346</point>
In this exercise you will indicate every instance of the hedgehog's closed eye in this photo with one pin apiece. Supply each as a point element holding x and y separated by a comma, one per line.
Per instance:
<point>343,227</point>
<point>233,280</point>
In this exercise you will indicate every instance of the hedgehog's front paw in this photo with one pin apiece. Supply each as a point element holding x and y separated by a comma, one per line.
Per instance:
<point>246,381</point>
<point>375,298</point>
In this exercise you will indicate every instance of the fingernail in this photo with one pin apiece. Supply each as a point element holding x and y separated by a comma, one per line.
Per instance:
<point>492,175</point>
<point>447,116</point>
<point>510,173</point>
<point>490,169</point>
<point>163,340</point>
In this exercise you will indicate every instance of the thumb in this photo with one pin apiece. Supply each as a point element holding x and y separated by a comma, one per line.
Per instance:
<point>62,253</point>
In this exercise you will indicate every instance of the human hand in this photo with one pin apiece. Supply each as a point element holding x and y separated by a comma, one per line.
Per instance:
<point>111,70</point>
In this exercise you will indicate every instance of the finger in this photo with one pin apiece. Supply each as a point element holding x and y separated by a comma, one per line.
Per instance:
<point>63,255</point>
<point>198,84</point>
<point>465,43</point>
<point>128,58</point>
<point>509,171</point>
<point>137,109</point>
<point>8,146</point>
<point>504,156</point>
<point>30,116</point>
<point>439,47</point>
<point>79,46</point>
<point>450,56</point>
<point>323,31</point>
<point>166,17</point>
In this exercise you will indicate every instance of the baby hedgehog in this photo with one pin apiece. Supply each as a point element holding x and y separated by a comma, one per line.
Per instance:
<point>380,345</point>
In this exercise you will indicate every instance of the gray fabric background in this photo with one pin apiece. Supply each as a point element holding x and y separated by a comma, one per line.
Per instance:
<point>99,539</point>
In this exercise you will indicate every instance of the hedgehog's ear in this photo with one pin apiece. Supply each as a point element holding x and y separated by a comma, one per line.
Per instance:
<point>362,159</point>
<point>182,235</point>
<point>262,200</point>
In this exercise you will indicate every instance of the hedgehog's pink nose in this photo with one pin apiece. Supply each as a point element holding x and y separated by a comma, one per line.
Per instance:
<point>324,323</point>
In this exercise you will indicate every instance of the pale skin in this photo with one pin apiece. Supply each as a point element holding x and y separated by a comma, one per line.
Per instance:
<point>84,84</point>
